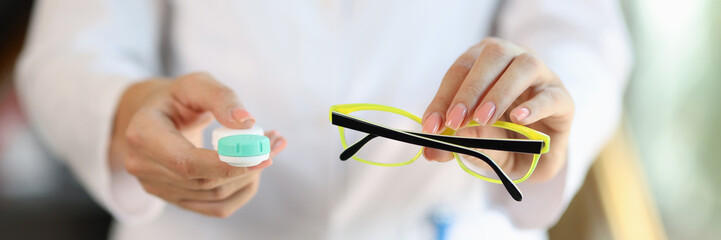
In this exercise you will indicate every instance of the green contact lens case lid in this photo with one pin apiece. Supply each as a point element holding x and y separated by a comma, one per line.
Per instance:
<point>245,145</point>
<point>241,147</point>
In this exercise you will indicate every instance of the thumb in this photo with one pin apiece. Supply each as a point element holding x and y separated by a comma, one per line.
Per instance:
<point>201,92</point>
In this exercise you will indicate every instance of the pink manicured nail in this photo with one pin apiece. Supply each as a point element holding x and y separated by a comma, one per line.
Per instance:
<point>433,122</point>
<point>520,113</point>
<point>484,113</point>
<point>456,116</point>
<point>241,115</point>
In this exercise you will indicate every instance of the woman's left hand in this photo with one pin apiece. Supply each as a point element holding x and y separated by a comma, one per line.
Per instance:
<point>498,80</point>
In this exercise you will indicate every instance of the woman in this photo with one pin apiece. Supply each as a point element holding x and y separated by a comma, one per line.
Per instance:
<point>95,80</point>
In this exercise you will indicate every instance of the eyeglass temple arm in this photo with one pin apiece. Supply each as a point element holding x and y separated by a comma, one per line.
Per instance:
<point>353,149</point>
<point>343,120</point>
<point>508,145</point>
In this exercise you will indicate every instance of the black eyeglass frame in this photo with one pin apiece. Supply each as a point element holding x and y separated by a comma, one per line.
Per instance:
<point>448,143</point>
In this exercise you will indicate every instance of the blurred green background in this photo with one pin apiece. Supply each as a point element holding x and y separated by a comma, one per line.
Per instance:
<point>673,110</point>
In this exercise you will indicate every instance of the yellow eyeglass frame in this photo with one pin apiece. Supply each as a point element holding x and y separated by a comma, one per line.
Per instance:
<point>530,133</point>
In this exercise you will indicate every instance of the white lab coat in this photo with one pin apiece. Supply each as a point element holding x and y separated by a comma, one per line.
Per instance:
<point>289,61</point>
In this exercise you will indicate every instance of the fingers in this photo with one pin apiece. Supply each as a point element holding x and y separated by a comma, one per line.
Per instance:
<point>220,189</point>
<point>177,193</point>
<point>462,86</point>
<point>523,72</point>
<point>149,172</point>
<point>154,137</point>
<point>223,208</point>
<point>215,196</point>
<point>434,116</point>
<point>277,144</point>
<point>491,63</point>
<point>437,155</point>
<point>201,92</point>
<point>551,101</point>
<point>169,166</point>
<point>220,201</point>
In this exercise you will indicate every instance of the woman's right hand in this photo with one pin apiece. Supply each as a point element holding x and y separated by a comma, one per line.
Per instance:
<point>158,126</point>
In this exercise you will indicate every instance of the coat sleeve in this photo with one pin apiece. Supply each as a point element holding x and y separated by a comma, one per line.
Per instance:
<point>79,58</point>
<point>586,44</point>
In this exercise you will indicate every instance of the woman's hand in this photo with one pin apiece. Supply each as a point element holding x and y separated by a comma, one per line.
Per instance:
<point>497,80</point>
<point>158,125</point>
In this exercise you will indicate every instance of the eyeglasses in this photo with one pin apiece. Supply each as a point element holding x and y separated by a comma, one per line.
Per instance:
<point>470,151</point>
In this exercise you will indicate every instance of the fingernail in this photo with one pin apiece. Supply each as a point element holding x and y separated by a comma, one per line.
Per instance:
<point>520,113</point>
<point>456,116</point>
<point>433,122</point>
<point>241,115</point>
<point>484,113</point>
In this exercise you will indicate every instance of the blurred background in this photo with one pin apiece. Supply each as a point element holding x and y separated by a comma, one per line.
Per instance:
<point>658,178</point>
<point>673,107</point>
<point>39,198</point>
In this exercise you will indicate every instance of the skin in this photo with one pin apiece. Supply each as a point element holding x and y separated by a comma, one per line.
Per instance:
<point>498,80</point>
<point>158,125</point>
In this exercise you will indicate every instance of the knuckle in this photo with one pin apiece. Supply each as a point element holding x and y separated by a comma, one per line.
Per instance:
<point>138,125</point>
<point>184,80</point>
<point>133,166</point>
<point>182,167</point>
<point>191,80</point>
<point>220,192</point>
<point>532,106</point>
<point>224,92</point>
<point>465,62</point>
<point>494,50</point>
<point>132,136</point>
<point>571,103</point>
<point>462,66</point>
<point>560,97</point>
<point>439,105</point>
<point>473,52</point>
<point>472,90</point>
<point>227,171</point>
<point>529,61</point>
<point>206,183</point>
<point>490,40</point>
<point>552,97</point>
<point>198,76</point>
